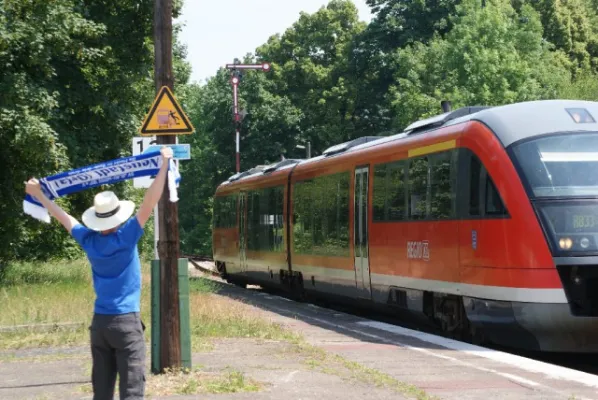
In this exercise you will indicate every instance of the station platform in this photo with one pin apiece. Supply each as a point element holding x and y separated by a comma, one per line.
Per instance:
<point>440,367</point>
<point>339,356</point>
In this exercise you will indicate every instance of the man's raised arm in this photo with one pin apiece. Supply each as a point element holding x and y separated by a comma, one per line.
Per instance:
<point>153,194</point>
<point>33,188</point>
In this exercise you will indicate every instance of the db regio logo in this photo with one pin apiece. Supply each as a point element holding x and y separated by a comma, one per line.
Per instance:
<point>418,250</point>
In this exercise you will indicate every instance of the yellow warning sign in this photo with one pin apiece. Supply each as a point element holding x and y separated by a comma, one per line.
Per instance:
<point>166,117</point>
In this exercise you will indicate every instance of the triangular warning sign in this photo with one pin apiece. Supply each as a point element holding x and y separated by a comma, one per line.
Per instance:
<point>166,117</point>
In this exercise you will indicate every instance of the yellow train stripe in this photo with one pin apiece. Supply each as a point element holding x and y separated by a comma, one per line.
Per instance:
<point>433,148</point>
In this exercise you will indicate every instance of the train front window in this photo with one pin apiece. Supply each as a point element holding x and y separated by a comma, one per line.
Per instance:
<point>564,165</point>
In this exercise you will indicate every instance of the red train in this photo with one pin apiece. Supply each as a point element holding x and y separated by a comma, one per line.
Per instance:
<point>483,220</point>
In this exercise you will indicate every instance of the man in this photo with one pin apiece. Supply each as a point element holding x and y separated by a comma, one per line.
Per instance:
<point>110,242</point>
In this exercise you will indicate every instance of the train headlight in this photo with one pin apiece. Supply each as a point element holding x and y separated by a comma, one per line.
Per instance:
<point>566,243</point>
<point>584,243</point>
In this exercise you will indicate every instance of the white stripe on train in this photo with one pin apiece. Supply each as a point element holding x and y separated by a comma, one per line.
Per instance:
<point>498,293</point>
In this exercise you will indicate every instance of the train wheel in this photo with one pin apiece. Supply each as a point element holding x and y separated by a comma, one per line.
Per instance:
<point>450,315</point>
<point>237,282</point>
<point>477,336</point>
<point>242,285</point>
<point>297,289</point>
<point>221,268</point>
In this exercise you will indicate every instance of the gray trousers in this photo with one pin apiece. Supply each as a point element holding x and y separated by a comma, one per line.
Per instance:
<point>117,345</point>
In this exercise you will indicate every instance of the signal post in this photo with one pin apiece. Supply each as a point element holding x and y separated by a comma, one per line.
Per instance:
<point>235,79</point>
<point>170,344</point>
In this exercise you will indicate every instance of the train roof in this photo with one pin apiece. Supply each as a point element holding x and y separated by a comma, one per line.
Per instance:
<point>262,170</point>
<point>514,122</point>
<point>511,123</point>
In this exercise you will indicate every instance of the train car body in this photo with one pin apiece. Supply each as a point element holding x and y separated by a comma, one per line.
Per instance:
<point>484,220</point>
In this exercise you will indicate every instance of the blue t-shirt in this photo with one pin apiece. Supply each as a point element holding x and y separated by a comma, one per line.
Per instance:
<point>115,266</point>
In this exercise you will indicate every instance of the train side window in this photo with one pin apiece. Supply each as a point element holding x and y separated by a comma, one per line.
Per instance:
<point>379,195</point>
<point>475,169</point>
<point>216,213</point>
<point>233,211</point>
<point>318,200</point>
<point>418,188</point>
<point>342,212</point>
<point>279,215</point>
<point>332,223</point>
<point>302,232</point>
<point>225,211</point>
<point>264,219</point>
<point>389,197</point>
<point>483,196</point>
<point>249,220</point>
<point>395,190</point>
<point>321,207</point>
<point>442,176</point>
<point>253,221</point>
<point>493,202</point>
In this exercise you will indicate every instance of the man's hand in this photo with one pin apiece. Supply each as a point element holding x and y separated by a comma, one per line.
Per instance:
<point>166,153</point>
<point>153,194</point>
<point>33,188</point>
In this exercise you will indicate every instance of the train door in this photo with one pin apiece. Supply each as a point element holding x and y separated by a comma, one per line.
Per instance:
<point>243,231</point>
<point>482,230</point>
<point>360,232</point>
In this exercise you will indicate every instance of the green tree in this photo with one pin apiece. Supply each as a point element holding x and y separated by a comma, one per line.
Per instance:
<point>570,26</point>
<point>268,132</point>
<point>491,56</point>
<point>397,23</point>
<point>312,61</point>
<point>74,92</point>
<point>34,35</point>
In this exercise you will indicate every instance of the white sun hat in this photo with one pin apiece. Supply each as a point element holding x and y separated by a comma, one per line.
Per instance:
<point>107,212</point>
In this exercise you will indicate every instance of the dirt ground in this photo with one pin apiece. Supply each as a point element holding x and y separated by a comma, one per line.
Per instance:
<point>270,370</point>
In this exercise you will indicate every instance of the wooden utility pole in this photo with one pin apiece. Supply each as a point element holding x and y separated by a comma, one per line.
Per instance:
<point>168,242</point>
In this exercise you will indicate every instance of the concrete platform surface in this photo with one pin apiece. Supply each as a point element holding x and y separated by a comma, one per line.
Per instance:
<point>345,357</point>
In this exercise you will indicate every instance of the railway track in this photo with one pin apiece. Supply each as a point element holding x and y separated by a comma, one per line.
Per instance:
<point>582,362</point>
<point>195,261</point>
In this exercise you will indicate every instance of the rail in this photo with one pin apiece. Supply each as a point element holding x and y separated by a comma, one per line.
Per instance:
<point>195,259</point>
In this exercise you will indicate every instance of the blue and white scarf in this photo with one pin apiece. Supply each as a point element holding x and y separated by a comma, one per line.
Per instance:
<point>105,173</point>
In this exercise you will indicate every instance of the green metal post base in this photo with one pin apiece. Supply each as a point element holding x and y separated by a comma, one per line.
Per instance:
<point>183,277</point>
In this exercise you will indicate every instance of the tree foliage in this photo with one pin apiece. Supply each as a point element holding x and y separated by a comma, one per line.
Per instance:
<point>73,93</point>
<point>398,23</point>
<point>335,78</point>
<point>492,56</point>
<point>311,63</point>
<point>78,79</point>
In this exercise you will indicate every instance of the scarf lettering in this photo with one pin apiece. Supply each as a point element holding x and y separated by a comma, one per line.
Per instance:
<point>110,172</point>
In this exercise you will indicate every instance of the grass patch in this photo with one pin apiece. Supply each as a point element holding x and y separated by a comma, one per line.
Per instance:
<point>219,317</point>
<point>42,358</point>
<point>46,303</point>
<point>186,382</point>
<point>63,292</point>
<point>202,285</point>
<point>45,293</point>
<point>27,339</point>
<point>22,273</point>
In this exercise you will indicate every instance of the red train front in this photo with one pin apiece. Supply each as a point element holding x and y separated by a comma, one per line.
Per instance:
<point>482,220</point>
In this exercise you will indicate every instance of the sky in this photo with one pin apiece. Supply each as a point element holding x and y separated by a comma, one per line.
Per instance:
<point>216,32</point>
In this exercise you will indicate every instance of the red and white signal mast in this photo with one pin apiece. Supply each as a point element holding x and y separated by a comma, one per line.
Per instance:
<point>235,79</point>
